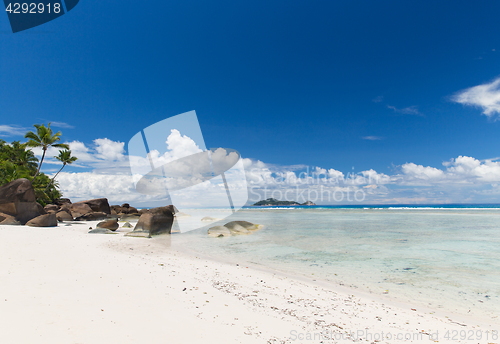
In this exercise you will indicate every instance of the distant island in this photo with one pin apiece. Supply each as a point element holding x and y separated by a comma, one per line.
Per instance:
<point>275,202</point>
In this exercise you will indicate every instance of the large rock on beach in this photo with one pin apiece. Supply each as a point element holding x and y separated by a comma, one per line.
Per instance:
<point>130,217</point>
<point>63,216</point>
<point>40,209</point>
<point>109,224</point>
<point>19,190</point>
<point>155,222</point>
<point>95,216</point>
<point>97,205</point>
<point>8,220</point>
<point>78,209</point>
<point>62,201</point>
<point>124,209</point>
<point>47,220</point>
<point>132,210</point>
<point>17,199</point>
<point>51,207</point>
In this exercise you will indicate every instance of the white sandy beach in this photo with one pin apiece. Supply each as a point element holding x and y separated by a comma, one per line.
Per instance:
<point>62,285</point>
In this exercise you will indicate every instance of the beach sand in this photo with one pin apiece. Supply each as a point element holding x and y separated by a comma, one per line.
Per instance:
<point>62,285</point>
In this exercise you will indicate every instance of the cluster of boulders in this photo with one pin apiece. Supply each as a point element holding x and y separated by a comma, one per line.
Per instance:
<point>233,228</point>
<point>18,206</point>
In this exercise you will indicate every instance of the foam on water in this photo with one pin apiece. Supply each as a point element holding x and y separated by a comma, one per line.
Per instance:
<point>442,258</point>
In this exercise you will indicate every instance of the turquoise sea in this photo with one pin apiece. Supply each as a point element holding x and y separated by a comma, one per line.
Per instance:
<point>444,257</point>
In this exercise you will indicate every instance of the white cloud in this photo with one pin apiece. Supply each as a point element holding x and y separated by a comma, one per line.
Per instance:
<point>12,130</point>
<point>332,173</point>
<point>410,110</point>
<point>178,146</point>
<point>109,150</point>
<point>87,185</point>
<point>485,96</point>
<point>81,151</point>
<point>372,138</point>
<point>419,172</point>
<point>469,169</point>
<point>373,177</point>
<point>181,145</point>
<point>61,125</point>
<point>461,170</point>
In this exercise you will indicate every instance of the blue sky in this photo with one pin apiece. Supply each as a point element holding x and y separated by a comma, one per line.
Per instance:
<point>335,84</point>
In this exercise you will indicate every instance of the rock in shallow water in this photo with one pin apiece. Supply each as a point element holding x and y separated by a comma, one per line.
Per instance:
<point>209,219</point>
<point>219,232</point>
<point>236,229</point>
<point>245,224</point>
<point>233,228</point>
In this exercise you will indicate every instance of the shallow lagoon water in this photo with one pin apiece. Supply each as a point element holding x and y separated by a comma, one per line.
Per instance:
<point>445,259</point>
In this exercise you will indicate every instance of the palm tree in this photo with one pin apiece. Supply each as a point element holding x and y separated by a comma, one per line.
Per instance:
<point>66,158</point>
<point>22,156</point>
<point>44,139</point>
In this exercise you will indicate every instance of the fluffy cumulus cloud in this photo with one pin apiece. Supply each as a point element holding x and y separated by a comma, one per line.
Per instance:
<point>468,169</point>
<point>485,96</point>
<point>109,150</point>
<point>177,146</point>
<point>413,172</point>
<point>84,185</point>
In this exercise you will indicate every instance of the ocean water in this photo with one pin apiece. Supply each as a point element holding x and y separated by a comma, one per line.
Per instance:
<point>445,258</point>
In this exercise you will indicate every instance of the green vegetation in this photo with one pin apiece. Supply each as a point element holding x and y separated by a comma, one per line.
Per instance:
<point>17,160</point>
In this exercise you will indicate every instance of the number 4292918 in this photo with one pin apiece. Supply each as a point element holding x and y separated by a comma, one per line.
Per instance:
<point>33,8</point>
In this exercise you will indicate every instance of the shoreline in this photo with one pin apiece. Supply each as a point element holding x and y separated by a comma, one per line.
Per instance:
<point>69,286</point>
<point>393,301</point>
